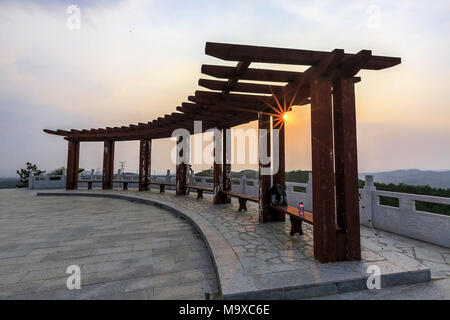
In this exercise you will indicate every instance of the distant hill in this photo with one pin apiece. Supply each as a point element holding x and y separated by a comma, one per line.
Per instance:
<point>437,179</point>
<point>291,176</point>
<point>251,174</point>
<point>8,183</point>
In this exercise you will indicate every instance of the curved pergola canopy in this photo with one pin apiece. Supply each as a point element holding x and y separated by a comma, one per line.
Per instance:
<point>234,98</point>
<point>242,94</point>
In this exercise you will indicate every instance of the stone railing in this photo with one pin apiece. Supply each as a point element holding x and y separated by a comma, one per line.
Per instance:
<point>59,181</point>
<point>295,191</point>
<point>46,182</point>
<point>132,179</point>
<point>405,219</point>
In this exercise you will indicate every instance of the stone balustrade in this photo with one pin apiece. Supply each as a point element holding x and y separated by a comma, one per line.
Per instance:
<point>404,219</point>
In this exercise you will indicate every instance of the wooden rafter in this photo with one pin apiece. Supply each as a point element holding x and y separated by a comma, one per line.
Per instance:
<point>233,102</point>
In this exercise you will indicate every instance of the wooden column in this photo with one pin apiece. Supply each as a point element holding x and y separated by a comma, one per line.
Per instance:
<point>279,177</point>
<point>73,156</point>
<point>346,167</point>
<point>226,171</point>
<point>108,164</point>
<point>264,180</point>
<point>145,156</point>
<point>323,171</point>
<point>181,169</point>
<point>217,170</point>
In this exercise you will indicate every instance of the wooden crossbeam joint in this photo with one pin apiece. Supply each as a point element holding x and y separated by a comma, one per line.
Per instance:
<point>352,66</point>
<point>241,67</point>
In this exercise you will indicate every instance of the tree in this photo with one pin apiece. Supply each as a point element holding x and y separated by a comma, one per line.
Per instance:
<point>59,171</point>
<point>25,173</point>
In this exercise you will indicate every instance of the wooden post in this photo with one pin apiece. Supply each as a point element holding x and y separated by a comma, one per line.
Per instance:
<point>145,155</point>
<point>346,167</point>
<point>108,164</point>
<point>217,169</point>
<point>323,171</point>
<point>73,156</point>
<point>226,156</point>
<point>280,176</point>
<point>264,179</point>
<point>181,169</point>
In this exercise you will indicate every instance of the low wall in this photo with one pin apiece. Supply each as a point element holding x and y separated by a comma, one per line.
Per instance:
<point>407,221</point>
<point>133,180</point>
<point>295,192</point>
<point>404,220</point>
<point>47,182</point>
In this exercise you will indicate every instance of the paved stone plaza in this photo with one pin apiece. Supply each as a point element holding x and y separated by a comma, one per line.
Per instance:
<point>250,257</point>
<point>124,250</point>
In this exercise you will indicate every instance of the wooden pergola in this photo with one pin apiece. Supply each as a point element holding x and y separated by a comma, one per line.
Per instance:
<point>242,94</point>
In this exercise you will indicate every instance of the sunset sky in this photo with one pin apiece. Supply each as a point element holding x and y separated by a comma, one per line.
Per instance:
<point>132,61</point>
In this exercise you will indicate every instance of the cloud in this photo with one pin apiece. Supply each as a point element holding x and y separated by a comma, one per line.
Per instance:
<point>133,61</point>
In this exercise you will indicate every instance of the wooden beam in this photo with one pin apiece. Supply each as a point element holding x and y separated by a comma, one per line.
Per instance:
<point>299,90</point>
<point>217,117</point>
<point>216,110</point>
<point>330,64</point>
<point>165,129</point>
<point>204,115</point>
<point>351,66</point>
<point>224,72</point>
<point>53,132</point>
<point>234,97</point>
<point>241,67</point>
<point>235,105</point>
<point>233,52</point>
<point>239,87</point>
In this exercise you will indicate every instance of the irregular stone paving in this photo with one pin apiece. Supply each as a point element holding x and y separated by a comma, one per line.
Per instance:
<point>268,249</point>
<point>125,250</point>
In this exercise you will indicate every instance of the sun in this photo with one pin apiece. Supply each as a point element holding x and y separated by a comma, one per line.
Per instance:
<point>280,108</point>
